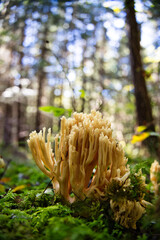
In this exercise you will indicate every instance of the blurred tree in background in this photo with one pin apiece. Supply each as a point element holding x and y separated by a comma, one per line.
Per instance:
<point>142,100</point>
<point>75,56</point>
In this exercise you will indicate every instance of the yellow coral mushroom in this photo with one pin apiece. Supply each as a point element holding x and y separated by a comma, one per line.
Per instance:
<point>87,160</point>
<point>154,171</point>
<point>86,157</point>
<point>2,163</point>
<point>126,212</point>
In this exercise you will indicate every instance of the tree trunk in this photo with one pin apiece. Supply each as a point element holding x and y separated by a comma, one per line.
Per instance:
<point>7,135</point>
<point>84,79</point>
<point>20,113</point>
<point>8,119</point>
<point>143,104</point>
<point>41,78</point>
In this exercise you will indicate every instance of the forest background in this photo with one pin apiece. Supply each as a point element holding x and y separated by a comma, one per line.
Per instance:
<point>58,57</point>
<point>66,56</point>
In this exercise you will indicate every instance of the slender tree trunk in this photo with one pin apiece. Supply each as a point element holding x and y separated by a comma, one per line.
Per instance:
<point>8,109</point>
<point>143,104</point>
<point>20,113</point>
<point>41,79</point>
<point>84,80</point>
<point>101,72</point>
<point>20,108</point>
<point>7,135</point>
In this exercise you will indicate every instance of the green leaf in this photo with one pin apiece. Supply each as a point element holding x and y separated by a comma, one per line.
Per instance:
<point>57,112</point>
<point>2,188</point>
<point>154,134</point>
<point>83,93</point>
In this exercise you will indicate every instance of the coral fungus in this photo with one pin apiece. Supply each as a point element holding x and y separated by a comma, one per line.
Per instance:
<point>154,171</point>
<point>126,212</point>
<point>86,156</point>
<point>86,160</point>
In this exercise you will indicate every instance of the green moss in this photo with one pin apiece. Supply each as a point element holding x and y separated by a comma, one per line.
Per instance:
<point>87,209</point>
<point>135,191</point>
<point>31,213</point>
<point>8,200</point>
<point>75,228</point>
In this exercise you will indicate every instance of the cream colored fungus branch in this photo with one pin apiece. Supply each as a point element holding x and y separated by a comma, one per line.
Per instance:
<point>86,157</point>
<point>85,161</point>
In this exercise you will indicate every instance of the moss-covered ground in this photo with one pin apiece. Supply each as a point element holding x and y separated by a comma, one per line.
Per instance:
<point>29,209</point>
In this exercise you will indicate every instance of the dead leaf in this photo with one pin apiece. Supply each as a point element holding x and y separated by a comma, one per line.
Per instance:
<point>2,188</point>
<point>19,188</point>
<point>5,180</point>
<point>140,138</point>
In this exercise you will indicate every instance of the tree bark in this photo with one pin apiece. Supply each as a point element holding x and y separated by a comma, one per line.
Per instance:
<point>41,79</point>
<point>7,125</point>
<point>143,104</point>
<point>84,80</point>
<point>20,113</point>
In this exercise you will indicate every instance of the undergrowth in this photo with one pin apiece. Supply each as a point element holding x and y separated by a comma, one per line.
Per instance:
<point>29,209</point>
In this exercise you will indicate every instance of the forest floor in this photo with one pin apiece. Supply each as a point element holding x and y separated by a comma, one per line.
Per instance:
<point>29,209</point>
